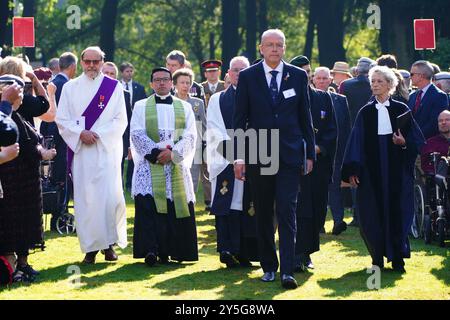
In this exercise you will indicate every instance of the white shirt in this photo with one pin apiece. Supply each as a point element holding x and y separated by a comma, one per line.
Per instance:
<point>267,70</point>
<point>424,90</point>
<point>130,88</point>
<point>384,122</point>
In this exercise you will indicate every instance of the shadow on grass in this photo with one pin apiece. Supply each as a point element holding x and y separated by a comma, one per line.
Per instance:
<point>231,284</point>
<point>356,281</point>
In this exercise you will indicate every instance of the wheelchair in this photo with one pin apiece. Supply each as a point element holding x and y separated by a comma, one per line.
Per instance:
<point>52,194</point>
<point>432,202</point>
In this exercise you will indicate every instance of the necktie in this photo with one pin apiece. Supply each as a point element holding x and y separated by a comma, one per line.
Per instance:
<point>213,89</point>
<point>274,85</point>
<point>418,101</point>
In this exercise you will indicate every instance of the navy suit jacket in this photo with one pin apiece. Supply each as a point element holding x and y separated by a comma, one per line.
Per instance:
<point>138,93</point>
<point>256,110</point>
<point>344,124</point>
<point>358,93</point>
<point>433,103</point>
<point>59,82</point>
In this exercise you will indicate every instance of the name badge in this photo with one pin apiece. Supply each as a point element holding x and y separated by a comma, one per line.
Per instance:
<point>289,93</point>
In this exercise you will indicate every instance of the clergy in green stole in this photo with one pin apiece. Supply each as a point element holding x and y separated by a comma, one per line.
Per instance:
<point>157,170</point>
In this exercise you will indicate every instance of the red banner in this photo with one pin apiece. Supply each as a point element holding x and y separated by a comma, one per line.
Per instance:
<point>23,32</point>
<point>424,34</point>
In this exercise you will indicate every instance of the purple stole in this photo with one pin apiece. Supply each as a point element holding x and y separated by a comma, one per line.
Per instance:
<point>94,110</point>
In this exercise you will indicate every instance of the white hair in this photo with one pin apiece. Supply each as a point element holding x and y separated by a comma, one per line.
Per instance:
<point>324,69</point>
<point>270,32</point>
<point>242,59</point>
<point>388,74</point>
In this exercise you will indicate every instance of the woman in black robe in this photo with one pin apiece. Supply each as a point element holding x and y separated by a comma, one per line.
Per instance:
<point>379,160</point>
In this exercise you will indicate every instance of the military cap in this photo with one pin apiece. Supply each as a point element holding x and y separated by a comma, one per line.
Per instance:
<point>300,61</point>
<point>211,65</point>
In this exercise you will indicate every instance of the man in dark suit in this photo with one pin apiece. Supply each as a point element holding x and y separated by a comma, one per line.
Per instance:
<point>428,101</point>
<point>322,80</point>
<point>358,93</point>
<point>68,68</point>
<point>272,98</point>
<point>137,92</point>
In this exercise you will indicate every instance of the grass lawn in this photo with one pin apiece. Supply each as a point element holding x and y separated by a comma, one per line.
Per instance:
<point>340,272</point>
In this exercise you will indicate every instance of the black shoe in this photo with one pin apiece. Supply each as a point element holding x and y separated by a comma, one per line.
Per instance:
<point>244,262</point>
<point>164,259</point>
<point>28,270</point>
<point>399,266</point>
<point>288,282</point>
<point>339,228</point>
<point>227,258</point>
<point>268,276</point>
<point>307,262</point>
<point>354,223</point>
<point>150,259</point>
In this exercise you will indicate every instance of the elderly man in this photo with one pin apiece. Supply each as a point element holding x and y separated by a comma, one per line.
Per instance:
<point>442,81</point>
<point>322,80</point>
<point>428,101</point>
<point>235,216</point>
<point>340,73</point>
<point>91,119</point>
<point>272,98</point>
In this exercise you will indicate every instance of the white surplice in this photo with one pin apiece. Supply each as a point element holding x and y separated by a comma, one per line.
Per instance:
<point>215,134</point>
<point>100,210</point>
<point>142,145</point>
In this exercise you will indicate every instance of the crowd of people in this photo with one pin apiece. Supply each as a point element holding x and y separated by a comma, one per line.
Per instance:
<point>358,129</point>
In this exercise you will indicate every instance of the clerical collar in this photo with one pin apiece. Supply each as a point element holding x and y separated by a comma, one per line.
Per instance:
<point>167,99</point>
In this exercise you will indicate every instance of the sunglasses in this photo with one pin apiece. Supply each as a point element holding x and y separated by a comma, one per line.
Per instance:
<point>94,62</point>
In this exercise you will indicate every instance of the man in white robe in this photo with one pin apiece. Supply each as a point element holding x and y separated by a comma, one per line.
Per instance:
<point>235,221</point>
<point>92,118</point>
<point>163,135</point>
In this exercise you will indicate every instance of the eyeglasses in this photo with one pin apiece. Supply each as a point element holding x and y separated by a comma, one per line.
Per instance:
<point>94,62</point>
<point>237,70</point>
<point>414,73</point>
<point>277,46</point>
<point>159,80</point>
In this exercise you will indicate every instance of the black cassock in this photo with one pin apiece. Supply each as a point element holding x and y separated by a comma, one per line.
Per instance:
<point>386,175</point>
<point>313,196</point>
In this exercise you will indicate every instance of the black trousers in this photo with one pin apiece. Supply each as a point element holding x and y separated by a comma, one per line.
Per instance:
<point>281,189</point>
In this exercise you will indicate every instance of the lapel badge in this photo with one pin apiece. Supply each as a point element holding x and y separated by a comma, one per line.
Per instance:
<point>196,105</point>
<point>287,77</point>
<point>323,114</point>
<point>224,189</point>
<point>101,105</point>
<point>251,210</point>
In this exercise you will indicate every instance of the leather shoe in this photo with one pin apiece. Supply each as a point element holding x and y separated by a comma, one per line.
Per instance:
<point>268,276</point>
<point>227,258</point>
<point>339,228</point>
<point>300,268</point>
<point>150,259</point>
<point>110,254</point>
<point>288,282</point>
<point>90,257</point>
<point>399,266</point>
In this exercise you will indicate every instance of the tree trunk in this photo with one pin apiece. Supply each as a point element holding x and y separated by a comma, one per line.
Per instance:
<point>107,28</point>
<point>262,17</point>
<point>6,12</point>
<point>29,10</point>
<point>330,31</point>
<point>212,46</point>
<point>312,17</point>
<point>250,7</point>
<point>230,32</point>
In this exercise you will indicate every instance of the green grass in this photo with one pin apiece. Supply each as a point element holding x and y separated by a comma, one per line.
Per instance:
<point>340,273</point>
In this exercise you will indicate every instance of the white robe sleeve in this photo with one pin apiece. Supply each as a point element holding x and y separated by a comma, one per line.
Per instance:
<point>142,143</point>
<point>185,148</point>
<point>69,127</point>
<point>215,134</point>
<point>111,132</point>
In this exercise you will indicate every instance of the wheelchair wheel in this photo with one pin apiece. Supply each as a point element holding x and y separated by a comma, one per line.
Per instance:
<point>441,232</point>
<point>427,233</point>
<point>65,224</point>
<point>419,212</point>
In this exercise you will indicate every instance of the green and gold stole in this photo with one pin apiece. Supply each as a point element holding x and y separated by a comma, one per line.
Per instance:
<point>157,170</point>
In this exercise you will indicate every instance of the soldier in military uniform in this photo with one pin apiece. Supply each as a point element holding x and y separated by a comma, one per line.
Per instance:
<point>213,83</point>
<point>182,81</point>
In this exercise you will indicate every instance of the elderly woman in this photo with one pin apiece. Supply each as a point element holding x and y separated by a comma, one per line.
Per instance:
<point>182,81</point>
<point>21,204</point>
<point>379,160</point>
